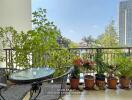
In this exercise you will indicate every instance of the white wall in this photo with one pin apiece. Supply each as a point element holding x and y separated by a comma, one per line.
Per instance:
<point>16,13</point>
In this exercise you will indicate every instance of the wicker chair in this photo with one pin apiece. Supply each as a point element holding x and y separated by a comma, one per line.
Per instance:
<point>12,92</point>
<point>51,89</point>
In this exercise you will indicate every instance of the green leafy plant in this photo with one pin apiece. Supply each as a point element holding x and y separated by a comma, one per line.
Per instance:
<point>7,37</point>
<point>112,70</point>
<point>60,60</point>
<point>38,47</point>
<point>125,66</point>
<point>100,65</point>
<point>88,64</point>
<point>31,48</point>
<point>77,63</point>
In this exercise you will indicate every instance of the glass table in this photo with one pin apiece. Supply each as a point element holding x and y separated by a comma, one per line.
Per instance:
<point>31,75</point>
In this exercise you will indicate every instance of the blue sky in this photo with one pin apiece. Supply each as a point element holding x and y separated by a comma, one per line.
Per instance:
<point>79,18</point>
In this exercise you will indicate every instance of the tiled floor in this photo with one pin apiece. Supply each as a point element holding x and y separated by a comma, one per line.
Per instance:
<point>108,94</point>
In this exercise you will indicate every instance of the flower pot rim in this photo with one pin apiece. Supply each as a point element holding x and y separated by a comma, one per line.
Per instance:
<point>112,78</point>
<point>89,77</point>
<point>74,78</point>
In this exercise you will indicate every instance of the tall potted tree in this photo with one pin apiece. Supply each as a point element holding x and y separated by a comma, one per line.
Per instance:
<point>33,47</point>
<point>100,68</point>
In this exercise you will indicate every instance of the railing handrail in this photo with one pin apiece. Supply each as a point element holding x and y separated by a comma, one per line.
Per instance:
<point>87,48</point>
<point>103,48</point>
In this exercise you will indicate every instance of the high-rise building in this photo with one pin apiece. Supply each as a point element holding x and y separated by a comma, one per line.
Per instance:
<point>125,23</point>
<point>16,13</point>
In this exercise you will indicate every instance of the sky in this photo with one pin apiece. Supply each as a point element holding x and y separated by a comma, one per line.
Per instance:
<point>79,18</point>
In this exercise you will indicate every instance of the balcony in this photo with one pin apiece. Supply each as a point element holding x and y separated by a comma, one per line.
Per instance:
<point>109,55</point>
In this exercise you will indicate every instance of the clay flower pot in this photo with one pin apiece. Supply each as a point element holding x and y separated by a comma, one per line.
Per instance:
<point>124,82</point>
<point>112,82</point>
<point>89,82</point>
<point>74,83</point>
<point>100,81</point>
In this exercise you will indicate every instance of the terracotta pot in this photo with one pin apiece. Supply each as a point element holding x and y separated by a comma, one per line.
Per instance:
<point>124,82</point>
<point>100,84</point>
<point>112,82</point>
<point>89,82</point>
<point>74,83</point>
<point>100,81</point>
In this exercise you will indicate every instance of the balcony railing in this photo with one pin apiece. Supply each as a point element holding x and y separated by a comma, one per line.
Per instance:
<point>109,54</point>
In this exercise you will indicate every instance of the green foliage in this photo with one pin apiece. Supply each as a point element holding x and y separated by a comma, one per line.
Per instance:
<point>100,65</point>
<point>125,66</point>
<point>31,47</point>
<point>112,70</point>
<point>73,45</point>
<point>38,47</point>
<point>60,59</point>
<point>7,36</point>
<point>89,41</point>
<point>65,41</point>
<point>109,38</point>
<point>75,72</point>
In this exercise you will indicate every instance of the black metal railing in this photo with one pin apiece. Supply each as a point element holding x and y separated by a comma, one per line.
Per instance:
<point>108,54</point>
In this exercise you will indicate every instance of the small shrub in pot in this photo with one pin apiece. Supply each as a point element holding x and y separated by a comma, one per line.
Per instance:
<point>75,75</point>
<point>125,71</point>
<point>111,79</point>
<point>88,78</point>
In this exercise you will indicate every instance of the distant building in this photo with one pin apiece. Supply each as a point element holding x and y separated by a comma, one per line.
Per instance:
<point>16,13</point>
<point>125,23</point>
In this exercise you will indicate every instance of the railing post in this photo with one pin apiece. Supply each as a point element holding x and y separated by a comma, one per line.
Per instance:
<point>129,51</point>
<point>8,58</point>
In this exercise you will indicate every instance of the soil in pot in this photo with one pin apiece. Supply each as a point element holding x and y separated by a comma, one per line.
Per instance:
<point>74,83</point>
<point>100,81</point>
<point>111,82</point>
<point>89,82</point>
<point>124,82</point>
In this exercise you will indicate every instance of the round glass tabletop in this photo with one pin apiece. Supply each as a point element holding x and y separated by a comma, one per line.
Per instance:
<point>31,74</point>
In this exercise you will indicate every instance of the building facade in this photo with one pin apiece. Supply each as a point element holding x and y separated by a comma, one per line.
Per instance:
<point>16,13</point>
<point>125,23</point>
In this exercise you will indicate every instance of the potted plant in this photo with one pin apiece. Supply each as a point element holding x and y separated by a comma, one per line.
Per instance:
<point>100,68</point>
<point>88,78</point>
<point>111,79</point>
<point>125,71</point>
<point>75,75</point>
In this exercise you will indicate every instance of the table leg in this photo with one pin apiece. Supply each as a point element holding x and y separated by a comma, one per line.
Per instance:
<point>36,89</point>
<point>2,96</point>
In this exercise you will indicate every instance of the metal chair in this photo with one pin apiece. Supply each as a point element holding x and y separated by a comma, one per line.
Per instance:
<point>51,89</point>
<point>3,76</point>
<point>12,92</point>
